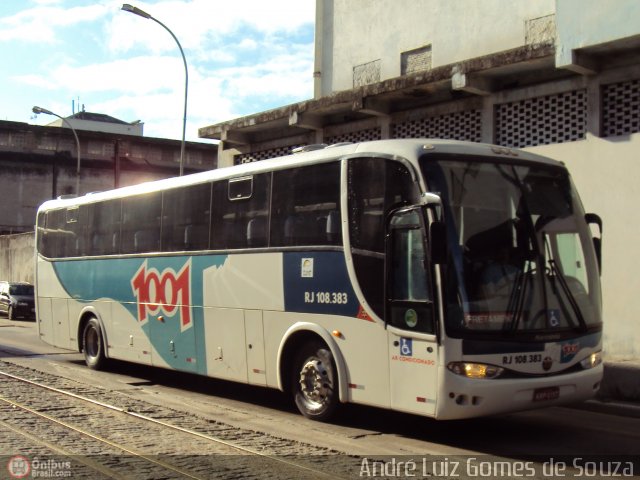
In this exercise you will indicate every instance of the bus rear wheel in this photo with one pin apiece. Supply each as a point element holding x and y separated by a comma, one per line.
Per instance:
<point>315,381</point>
<point>92,345</point>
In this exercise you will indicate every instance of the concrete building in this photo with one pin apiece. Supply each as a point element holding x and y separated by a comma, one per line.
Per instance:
<point>558,77</point>
<point>38,163</point>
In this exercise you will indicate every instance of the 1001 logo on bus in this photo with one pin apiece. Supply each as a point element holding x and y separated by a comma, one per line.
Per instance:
<point>164,293</point>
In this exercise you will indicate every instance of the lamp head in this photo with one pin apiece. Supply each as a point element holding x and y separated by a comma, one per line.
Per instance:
<point>135,10</point>
<point>38,110</point>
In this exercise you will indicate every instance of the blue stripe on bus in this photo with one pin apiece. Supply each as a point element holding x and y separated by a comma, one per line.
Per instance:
<point>153,287</point>
<point>318,282</point>
<point>181,347</point>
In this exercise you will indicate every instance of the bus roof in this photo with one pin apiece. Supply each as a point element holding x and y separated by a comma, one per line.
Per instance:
<point>399,148</point>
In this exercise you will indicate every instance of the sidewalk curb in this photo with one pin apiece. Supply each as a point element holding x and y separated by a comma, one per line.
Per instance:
<point>620,382</point>
<point>619,408</point>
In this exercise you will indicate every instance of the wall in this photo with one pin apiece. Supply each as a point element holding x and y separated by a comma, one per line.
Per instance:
<point>583,23</point>
<point>605,171</point>
<point>368,31</point>
<point>17,257</point>
<point>25,186</point>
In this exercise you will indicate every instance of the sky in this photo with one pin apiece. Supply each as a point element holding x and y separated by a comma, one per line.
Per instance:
<point>243,57</point>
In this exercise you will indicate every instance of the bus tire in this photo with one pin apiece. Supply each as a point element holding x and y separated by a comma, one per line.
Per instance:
<point>92,345</point>
<point>314,381</point>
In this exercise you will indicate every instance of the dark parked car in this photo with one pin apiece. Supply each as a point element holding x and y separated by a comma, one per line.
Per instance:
<point>16,300</point>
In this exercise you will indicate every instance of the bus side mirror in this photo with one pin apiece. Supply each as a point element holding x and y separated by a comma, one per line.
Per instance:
<point>438,242</point>
<point>593,219</point>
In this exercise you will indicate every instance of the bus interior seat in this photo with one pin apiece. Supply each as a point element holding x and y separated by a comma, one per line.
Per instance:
<point>144,241</point>
<point>115,242</point>
<point>195,237</point>
<point>257,232</point>
<point>79,246</point>
<point>303,229</point>
<point>97,243</point>
<point>333,227</point>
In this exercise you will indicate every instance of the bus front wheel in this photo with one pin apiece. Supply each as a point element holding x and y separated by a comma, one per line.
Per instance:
<point>315,381</point>
<point>92,345</point>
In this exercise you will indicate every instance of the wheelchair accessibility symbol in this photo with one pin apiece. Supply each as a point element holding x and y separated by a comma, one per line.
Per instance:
<point>554,318</point>
<point>406,347</point>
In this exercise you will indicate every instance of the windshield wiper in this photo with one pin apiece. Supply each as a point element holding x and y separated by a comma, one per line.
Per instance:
<point>517,297</point>
<point>556,273</point>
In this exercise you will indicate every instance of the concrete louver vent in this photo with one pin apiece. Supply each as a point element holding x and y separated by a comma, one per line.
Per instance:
<point>542,120</point>
<point>453,126</point>
<point>621,108</point>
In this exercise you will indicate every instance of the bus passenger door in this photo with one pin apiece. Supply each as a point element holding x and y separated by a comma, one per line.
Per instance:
<point>410,316</point>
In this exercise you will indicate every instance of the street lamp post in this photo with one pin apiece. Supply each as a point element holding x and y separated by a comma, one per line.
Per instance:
<point>141,13</point>
<point>38,110</point>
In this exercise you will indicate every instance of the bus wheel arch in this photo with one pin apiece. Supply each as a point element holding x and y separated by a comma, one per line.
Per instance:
<point>308,356</point>
<point>92,340</point>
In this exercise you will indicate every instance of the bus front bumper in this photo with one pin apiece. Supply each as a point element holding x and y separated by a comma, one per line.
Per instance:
<point>462,397</point>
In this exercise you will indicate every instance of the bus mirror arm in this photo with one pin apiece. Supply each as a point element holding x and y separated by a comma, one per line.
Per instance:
<point>594,219</point>
<point>438,242</point>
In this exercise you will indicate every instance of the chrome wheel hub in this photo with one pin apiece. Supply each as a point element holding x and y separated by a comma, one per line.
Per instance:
<point>316,383</point>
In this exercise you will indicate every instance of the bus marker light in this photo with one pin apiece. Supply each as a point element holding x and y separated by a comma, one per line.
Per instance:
<point>337,333</point>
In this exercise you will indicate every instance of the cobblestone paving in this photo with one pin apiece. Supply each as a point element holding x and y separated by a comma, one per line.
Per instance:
<point>114,444</point>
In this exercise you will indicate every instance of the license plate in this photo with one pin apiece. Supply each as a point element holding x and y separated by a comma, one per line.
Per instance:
<point>545,394</point>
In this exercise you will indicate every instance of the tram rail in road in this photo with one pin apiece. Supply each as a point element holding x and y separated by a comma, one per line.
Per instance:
<point>78,426</point>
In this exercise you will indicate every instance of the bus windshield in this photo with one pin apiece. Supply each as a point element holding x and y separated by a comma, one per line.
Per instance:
<point>521,254</point>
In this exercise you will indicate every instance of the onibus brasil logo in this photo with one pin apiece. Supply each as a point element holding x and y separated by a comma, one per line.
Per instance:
<point>163,292</point>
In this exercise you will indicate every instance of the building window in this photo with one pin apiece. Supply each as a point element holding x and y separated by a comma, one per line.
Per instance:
<point>540,30</point>
<point>366,74</point>
<point>415,60</point>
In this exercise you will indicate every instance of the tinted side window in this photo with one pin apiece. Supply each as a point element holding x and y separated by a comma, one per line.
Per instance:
<point>185,218</point>
<point>55,232</point>
<point>240,222</point>
<point>376,186</point>
<point>103,220</point>
<point>75,244</point>
<point>40,234</point>
<point>140,230</point>
<point>306,206</point>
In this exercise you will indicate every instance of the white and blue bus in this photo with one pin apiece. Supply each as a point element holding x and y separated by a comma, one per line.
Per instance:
<point>442,278</point>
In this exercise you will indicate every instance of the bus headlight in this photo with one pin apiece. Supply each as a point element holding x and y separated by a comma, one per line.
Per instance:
<point>475,370</point>
<point>592,361</point>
